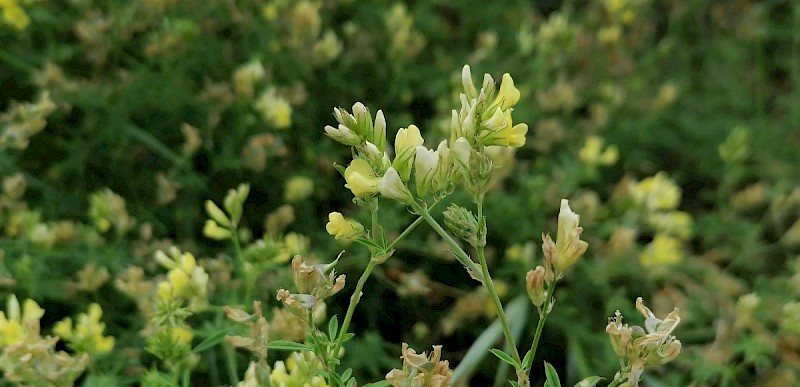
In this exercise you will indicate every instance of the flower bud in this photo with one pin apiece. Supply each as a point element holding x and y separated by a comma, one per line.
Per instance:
<point>379,131</point>
<point>462,223</point>
<point>343,135</point>
<point>466,81</point>
<point>216,214</point>
<point>212,230</point>
<point>534,284</point>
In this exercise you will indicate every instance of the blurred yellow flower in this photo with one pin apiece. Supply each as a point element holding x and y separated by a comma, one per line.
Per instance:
<point>298,188</point>
<point>657,192</point>
<point>593,153</point>
<point>16,325</point>
<point>674,223</point>
<point>87,334</point>
<point>663,251</point>
<point>14,15</point>
<point>275,109</point>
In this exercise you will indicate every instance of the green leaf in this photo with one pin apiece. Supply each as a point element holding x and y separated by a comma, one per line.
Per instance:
<point>528,359</point>
<point>347,374</point>
<point>504,357</point>
<point>589,382</point>
<point>480,348</point>
<point>211,341</point>
<point>552,376</point>
<point>333,327</point>
<point>284,345</point>
<point>368,243</point>
<point>381,383</point>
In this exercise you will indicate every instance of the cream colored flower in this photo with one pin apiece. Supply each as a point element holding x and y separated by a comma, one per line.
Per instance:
<point>569,246</point>
<point>361,179</point>
<point>392,187</point>
<point>342,228</point>
<point>405,145</point>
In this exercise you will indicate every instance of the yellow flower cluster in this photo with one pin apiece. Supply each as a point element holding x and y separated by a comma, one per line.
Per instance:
<point>185,280</point>
<point>16,324</point>
<point>484,120</point>
<point>107,209</point>
<point>658,197</point>
<point>87,334</point>
<point>275,109</point>
<point>593,153</point>
<point>298,371</point>
<point>664,250</point>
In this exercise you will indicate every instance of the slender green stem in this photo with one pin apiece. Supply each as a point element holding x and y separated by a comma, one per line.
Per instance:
<point>231,364</point>
<point>352,307</point>
<point>540,326</point>
<point>244,274</point>
<point>356,297</point>
<point>460,254</point>
<point>487,281</point>
<point>405,232</point>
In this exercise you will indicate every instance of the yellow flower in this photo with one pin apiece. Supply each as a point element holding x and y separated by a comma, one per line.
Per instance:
<point>15,326</point>
<point>508,95</point>
<point>663,251</point>
<point>14,15</point>
<point>212,230</point>
<point>182,335</point>
<point>675,223</point>
<point>509,136</point>
<point>298,188</point>
<point>405,145</point>
<point>274,109</point>
<point>569,246</point>
<point>361,179</point>
<point>657,192</point>
<point>342,228</point>
<point>593,153</point>
<point>391,186</point>
<point>87,334</point>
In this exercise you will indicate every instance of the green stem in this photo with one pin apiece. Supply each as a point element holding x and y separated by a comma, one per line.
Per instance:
<point>356,297</point>
<point>487,281</point>
<point>540,326</point>
<point>352,307</point>
<point>244,274</point>
<point>460,254</point>
<point>231,364</point>
<point>405,232</point>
